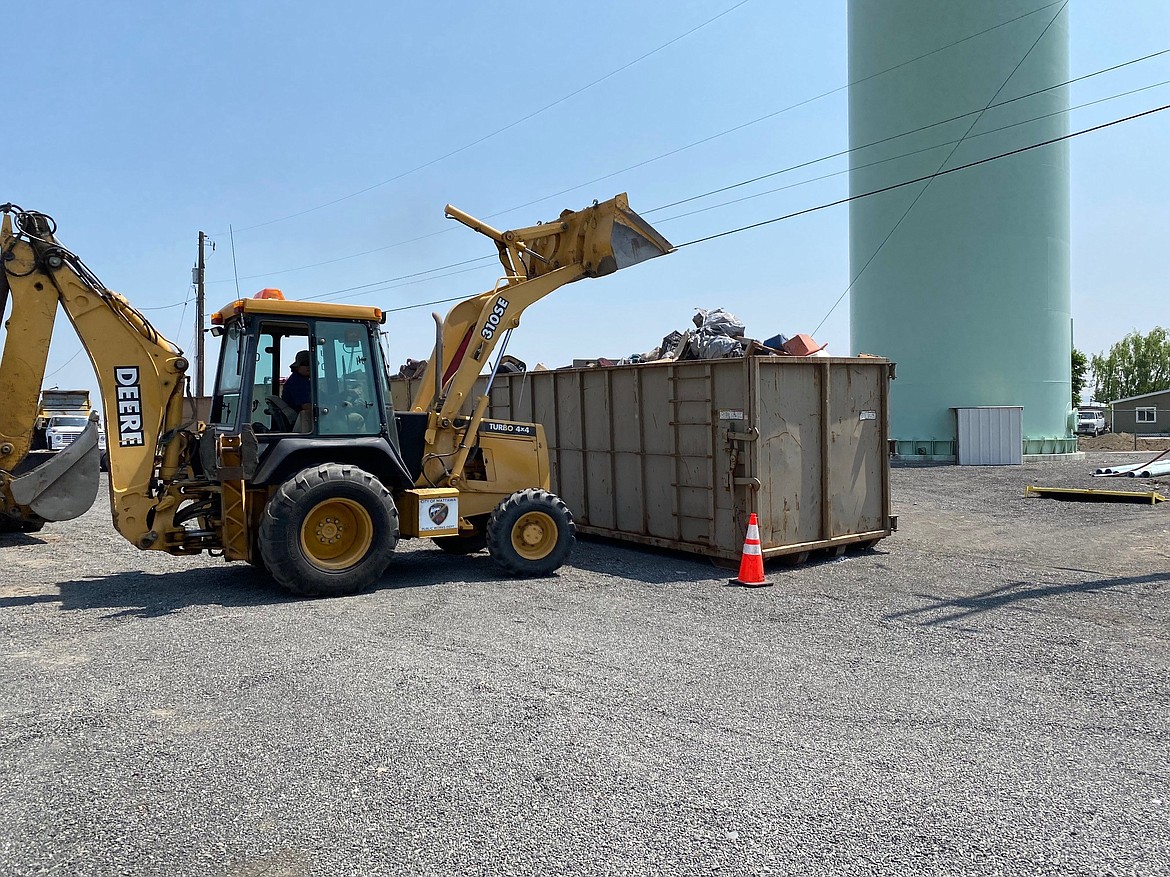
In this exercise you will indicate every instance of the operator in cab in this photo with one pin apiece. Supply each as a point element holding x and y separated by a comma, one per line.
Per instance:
<point>297,392</point>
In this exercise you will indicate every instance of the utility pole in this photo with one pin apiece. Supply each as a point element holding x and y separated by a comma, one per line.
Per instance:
<point>197,276</point>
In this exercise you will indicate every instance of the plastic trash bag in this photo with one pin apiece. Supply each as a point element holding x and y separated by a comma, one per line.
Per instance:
<point>719,322</point>
<point>706,344</point>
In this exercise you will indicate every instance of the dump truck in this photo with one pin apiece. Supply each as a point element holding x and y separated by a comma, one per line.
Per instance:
<point>61,417</point>
<point>316,486</point>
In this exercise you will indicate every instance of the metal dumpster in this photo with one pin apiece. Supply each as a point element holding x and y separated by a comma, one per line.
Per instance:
<point>678,454</point>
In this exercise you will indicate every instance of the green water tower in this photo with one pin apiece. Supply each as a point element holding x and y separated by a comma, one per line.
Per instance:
<point>962,281</point>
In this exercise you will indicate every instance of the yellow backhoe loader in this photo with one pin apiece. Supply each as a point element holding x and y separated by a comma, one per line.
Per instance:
<point>317,487</point>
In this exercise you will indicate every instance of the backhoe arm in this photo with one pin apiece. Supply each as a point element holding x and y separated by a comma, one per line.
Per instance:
<point>139,373</point>
<point>537,260</point>
<point>28,330</point>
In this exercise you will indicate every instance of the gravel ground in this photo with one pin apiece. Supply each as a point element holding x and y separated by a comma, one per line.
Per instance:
<point>986,692</point>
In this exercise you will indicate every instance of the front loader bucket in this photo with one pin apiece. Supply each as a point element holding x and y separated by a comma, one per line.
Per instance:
<point>604,238</point>
<point>65,485</point>
<point>621,238</point>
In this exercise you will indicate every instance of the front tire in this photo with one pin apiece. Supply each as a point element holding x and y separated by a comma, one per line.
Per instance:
<point>530,533</point>
<point>329,531</point>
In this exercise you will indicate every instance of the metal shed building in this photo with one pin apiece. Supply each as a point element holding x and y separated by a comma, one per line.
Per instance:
<point>1147,414</point>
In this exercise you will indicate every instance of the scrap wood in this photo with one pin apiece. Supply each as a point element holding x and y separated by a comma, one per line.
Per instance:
<point>1079,494</point>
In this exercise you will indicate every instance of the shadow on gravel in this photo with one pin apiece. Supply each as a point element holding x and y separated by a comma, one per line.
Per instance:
<point>662,566</point>
<point>7,539</point>
<point>1015,592</point>
<point>642,563</point>
<point>151,595</point>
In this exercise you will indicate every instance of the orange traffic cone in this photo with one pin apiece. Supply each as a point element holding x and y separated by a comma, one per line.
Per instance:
<point>751,563</point>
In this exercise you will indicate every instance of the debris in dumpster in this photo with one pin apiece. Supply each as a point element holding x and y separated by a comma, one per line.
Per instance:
<point>719,322</point>
<point>412,368</point>
<point>718,334</point>
<point>510,365</point>
<point>673,345</point>
<point>802,345</point>
<point>1077,494</point>
<point>776,342</point>
<point>711,345</point>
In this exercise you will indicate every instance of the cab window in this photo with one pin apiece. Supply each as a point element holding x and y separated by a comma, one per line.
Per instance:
<point>277,406</point>
<point>225,407</point>
<point>345,374</point>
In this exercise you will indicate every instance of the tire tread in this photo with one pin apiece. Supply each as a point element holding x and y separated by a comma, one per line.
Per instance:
<point>499,543</point>
<point>281,520</point>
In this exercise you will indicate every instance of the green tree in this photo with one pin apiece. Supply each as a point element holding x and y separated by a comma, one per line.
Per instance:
<point>1080,369</point>
<point>1135,365</point>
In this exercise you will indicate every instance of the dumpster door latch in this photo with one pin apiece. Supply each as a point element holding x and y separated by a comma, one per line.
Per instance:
<point>735,440</point>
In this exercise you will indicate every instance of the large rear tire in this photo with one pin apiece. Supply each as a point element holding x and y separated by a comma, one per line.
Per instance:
<point>329,531</point>
<point>530,533</point>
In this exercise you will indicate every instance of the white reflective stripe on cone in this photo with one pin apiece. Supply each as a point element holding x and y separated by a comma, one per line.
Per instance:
<point>753,532</point>
<point>752,549</point>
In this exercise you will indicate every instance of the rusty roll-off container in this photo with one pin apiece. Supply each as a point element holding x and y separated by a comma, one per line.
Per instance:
<point>678,455</point>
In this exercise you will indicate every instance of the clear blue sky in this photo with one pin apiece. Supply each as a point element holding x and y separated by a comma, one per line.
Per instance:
<point>137,127</point>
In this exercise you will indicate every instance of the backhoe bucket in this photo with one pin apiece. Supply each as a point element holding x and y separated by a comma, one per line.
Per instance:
<point>605,238</point>
<point>65,485</point>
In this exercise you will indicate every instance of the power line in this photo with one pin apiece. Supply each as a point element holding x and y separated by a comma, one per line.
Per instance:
<point>918,130</point>
<point>741,183</point>
<point>425,280</point>
<point>424,304</point>
<point>942,173</point>
<point>177,304</point>
<point>65,363</point>
<point>183,314</point>
<point>507,127</point>
<point>421,237</point>
<point>775,113</point>
<point>382,284</point>
<point>336,293</point>
<point>912,152</point>
<point>671,152</point>
<point>844,200</point>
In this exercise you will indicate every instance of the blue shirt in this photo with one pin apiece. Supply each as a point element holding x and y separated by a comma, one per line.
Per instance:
<point>296,392</point>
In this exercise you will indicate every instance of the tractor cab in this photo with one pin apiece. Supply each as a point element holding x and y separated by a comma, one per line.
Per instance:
<point>306,379</point>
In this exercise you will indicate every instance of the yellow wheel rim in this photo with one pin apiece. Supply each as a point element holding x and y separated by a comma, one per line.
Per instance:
<point>337,534</point>
<point>534,535</point>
